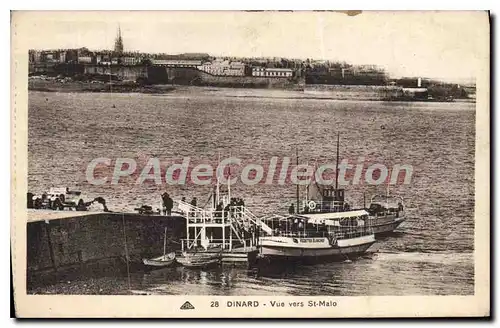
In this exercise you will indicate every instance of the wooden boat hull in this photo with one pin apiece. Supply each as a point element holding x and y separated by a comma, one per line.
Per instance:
<point>387,227</point>
<point>160,262</point>
<point>315,252</point>
<point>199,260</point>
<point>198,264</point>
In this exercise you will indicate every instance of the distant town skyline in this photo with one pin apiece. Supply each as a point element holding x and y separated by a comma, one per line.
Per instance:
<point>430,44</point>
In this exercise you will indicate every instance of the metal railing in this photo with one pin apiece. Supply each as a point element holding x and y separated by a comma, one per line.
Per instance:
<point>217,244</point>
<point>313,206</point>
<point>250,219</point>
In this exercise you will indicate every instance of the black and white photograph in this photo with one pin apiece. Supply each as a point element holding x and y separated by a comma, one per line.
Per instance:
<point>254,158</point>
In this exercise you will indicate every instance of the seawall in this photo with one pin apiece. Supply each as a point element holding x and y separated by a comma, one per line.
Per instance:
<point>192,76</point>
<point>59,241</point>
<point>125,72</point>
<point>358,92</point>
<point>251,82</point>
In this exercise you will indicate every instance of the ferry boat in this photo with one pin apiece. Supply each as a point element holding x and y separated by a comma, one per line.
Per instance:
<point>331,236</point>
<point>385,212</point>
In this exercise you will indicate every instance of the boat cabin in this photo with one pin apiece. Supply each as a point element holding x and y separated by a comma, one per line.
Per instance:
<point>386,205</point>
<point>332,200</point>
<point>342,225</point>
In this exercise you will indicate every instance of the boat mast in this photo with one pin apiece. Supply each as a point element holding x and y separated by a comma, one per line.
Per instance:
<point>217,195</point>
<point>387,187</point>
<point>229,183</point>
<point>307,189</point>
<point>297,193</point>
<point>165,242</point>
<point>337,164</point>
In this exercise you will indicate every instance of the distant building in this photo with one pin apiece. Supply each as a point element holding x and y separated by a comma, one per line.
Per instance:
<point>35,56</point>
<point>62,56</point>
<point>347,72</point>
<point>103,59</point>
<point>129,61</point>
<point>51,57</point>
<point>176,63</point>
<point>192,55</point>
<point>84,59</point>
<point>71,56</point>
<point>272,72</point>
<point>223,68</point>
<point>416,93</point>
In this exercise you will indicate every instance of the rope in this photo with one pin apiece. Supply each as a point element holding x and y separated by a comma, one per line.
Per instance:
<point>126,251</point>
<point>208,200</point>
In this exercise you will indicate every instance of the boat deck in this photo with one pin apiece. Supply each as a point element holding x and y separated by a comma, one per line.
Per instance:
<point>49,215</point>
<point>35,215</point>
<point>240,254</point>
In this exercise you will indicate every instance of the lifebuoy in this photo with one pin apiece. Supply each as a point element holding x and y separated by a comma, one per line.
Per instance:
<point>311,205</point>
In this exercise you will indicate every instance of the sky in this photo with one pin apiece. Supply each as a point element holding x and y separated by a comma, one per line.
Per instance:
<point>427,44</point>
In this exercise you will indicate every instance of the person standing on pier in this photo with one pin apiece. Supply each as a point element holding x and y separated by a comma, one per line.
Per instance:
<point>240,203</point>
<point>227,211</point>
<point>218,209</point>
<point>291,209</point>
<point>102,201</point>
<point>164,202</point>
<point>193,204</point>
<point>168,204</point>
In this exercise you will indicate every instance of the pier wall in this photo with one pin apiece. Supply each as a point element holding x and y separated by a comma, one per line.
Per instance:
<point>124,72</point>
<point>76,240</point>
<point>251,82</point>
<point>193,76</point>
<point>359,92</point>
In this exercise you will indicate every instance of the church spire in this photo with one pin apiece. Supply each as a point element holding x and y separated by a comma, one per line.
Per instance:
<point>119,42</point>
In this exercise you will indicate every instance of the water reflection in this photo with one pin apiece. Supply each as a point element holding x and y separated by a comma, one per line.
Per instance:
<point>433,255</point>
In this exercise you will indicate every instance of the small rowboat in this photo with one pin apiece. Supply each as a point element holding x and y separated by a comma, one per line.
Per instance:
<point>163,260</point>
<point>198,260</point>
<point>160,261</point>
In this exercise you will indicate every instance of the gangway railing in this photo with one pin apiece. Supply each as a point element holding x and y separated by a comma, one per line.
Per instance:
<point>195,214</point>
<point>249,218</point>
<point>204,218</point>
<point>240,217</point>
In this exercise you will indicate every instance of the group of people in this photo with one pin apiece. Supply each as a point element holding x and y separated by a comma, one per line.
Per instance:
<point>230,208</point>
<point>168,203</point>
<point>60,202</point>
<point>293,225</point>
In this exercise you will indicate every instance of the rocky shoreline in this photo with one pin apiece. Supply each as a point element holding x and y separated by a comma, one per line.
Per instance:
<point>77,86</point>
<point>347,93</point>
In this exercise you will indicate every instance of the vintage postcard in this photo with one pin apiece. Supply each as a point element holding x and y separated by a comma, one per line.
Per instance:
<point>250,164</point>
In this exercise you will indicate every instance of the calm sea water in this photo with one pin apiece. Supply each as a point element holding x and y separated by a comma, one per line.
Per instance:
<point>432,253</point>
